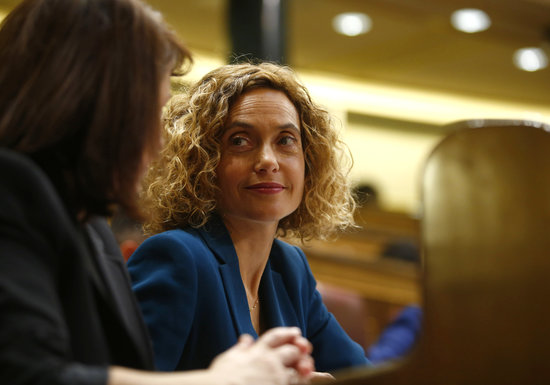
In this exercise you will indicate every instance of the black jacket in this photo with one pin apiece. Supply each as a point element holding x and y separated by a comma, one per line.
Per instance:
<point>66,307</point>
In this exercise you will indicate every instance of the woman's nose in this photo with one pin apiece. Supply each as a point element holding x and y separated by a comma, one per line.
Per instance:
<point>266,160</point>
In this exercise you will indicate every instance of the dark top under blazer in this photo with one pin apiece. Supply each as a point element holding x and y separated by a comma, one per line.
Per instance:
<point>193,300</point>
<point>66,306</point>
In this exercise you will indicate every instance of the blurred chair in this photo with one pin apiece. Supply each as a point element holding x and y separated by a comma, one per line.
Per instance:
<point>348,308</point>
<point>486,255</point>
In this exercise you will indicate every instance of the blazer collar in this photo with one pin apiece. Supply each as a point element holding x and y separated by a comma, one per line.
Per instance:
<point>116,286</point>
<point>277,305</point>
<point>275,301</point>
<point>217,238</point>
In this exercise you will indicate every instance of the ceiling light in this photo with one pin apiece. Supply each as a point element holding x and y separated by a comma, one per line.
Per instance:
<point>530,59</point>
<point>352,23</point>
<point>470,20</point>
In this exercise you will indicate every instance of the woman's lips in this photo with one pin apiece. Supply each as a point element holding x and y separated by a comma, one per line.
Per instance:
<point>266,188</point>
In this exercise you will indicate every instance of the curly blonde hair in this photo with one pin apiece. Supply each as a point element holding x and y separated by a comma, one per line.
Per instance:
<point>181,184</point>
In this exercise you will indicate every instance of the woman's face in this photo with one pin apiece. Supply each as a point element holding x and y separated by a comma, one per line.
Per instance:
<point>261,170</point>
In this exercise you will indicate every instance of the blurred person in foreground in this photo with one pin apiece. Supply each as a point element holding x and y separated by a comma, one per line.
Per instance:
<point>249,158</point>
<point>83,85</point>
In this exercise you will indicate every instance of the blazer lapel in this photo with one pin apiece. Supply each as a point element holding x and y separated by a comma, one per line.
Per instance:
<point>117,287</point>
<point>276,303</point>
<point>236,299</point>
<point>219,242</point>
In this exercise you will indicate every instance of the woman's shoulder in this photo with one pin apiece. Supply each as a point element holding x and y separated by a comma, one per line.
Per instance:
<point>24,186</point>
<point>286,247</point>
<point>175,236</point>
<point>284,254</point>
<point>177,246</point>
<point>26,190</point>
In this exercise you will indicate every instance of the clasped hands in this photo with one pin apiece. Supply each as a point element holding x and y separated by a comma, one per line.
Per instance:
<point>281,356</point>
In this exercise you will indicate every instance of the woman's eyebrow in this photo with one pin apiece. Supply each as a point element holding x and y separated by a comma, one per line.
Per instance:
<point>239,123</point>
<point>289,126</point>
<point>243,124</point>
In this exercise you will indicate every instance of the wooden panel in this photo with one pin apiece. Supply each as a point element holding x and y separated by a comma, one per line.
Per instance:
<point>485,233</point>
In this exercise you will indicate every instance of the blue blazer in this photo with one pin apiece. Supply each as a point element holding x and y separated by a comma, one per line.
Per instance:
<point>189,286</point>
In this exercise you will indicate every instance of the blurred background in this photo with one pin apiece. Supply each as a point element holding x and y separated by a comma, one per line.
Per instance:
<point>396,75</point>
<point>392,72</point>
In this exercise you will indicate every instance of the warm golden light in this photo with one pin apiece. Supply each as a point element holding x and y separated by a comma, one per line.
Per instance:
<point>470,20</point>
<point>352,23</point>
<point>530,59</point>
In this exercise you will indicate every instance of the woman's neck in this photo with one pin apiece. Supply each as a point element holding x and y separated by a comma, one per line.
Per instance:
<point>252,242</point>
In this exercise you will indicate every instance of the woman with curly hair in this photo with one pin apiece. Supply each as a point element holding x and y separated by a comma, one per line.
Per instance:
<point>248,158</point>
<point>83,85</point>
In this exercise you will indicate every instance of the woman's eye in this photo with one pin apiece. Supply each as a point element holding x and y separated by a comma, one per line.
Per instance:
<point>287,140</point>
<point>238,141</point>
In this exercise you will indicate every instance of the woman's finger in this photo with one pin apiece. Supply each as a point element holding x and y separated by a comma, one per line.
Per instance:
<point>279,336</point>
